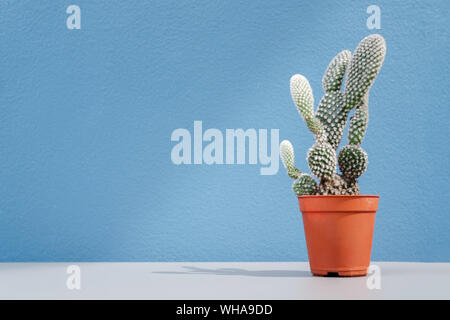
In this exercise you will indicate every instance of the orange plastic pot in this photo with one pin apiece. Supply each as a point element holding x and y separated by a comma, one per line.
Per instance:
<point>339,232</point>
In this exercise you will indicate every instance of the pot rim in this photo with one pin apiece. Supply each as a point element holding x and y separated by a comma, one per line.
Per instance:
<point>339,196</point>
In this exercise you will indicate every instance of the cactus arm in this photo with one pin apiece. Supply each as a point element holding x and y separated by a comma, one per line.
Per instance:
<point>359,122</point>
<point>302,95</point>
<point>288,158</point>
<point>332,79</point>
<point>364,66</point>
<point>332,116</point>
<point>330,111</point>
<point>303,98</point>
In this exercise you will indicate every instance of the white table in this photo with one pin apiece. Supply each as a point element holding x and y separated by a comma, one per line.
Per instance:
<point>240,280</point>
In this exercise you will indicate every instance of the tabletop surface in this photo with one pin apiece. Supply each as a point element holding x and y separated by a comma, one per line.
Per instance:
<point>216,280</point>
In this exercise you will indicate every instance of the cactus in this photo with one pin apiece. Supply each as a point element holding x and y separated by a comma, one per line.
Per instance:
<point>328,123</point>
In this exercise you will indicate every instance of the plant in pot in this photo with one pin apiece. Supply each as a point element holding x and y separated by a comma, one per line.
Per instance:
<point>338,221</point>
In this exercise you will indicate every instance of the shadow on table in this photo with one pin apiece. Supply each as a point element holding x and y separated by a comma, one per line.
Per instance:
<point>242,272</point>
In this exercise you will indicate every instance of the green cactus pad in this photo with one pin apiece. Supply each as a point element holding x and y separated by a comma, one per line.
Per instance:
<point>305,185</point>
<point>287,154</point>
<point>359,122</point>
<point>363,69</point>
<point>332,116</point>
<point>302,95</point>
<point>332,79</point>
<point>322,160</point>
<point>352,161</point>
<point>288,159</point>
<point>303,98</point>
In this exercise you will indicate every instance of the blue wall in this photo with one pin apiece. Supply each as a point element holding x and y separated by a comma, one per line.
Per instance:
<point>86,117</point>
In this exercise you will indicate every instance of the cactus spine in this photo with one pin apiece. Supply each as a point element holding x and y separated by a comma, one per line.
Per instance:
<point>328,123</point>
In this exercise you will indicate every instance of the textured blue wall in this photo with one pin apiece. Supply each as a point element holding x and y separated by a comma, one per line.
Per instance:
<point>86,117</point>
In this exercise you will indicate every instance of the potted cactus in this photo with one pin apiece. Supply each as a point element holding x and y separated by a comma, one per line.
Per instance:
<point>338,221</point>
